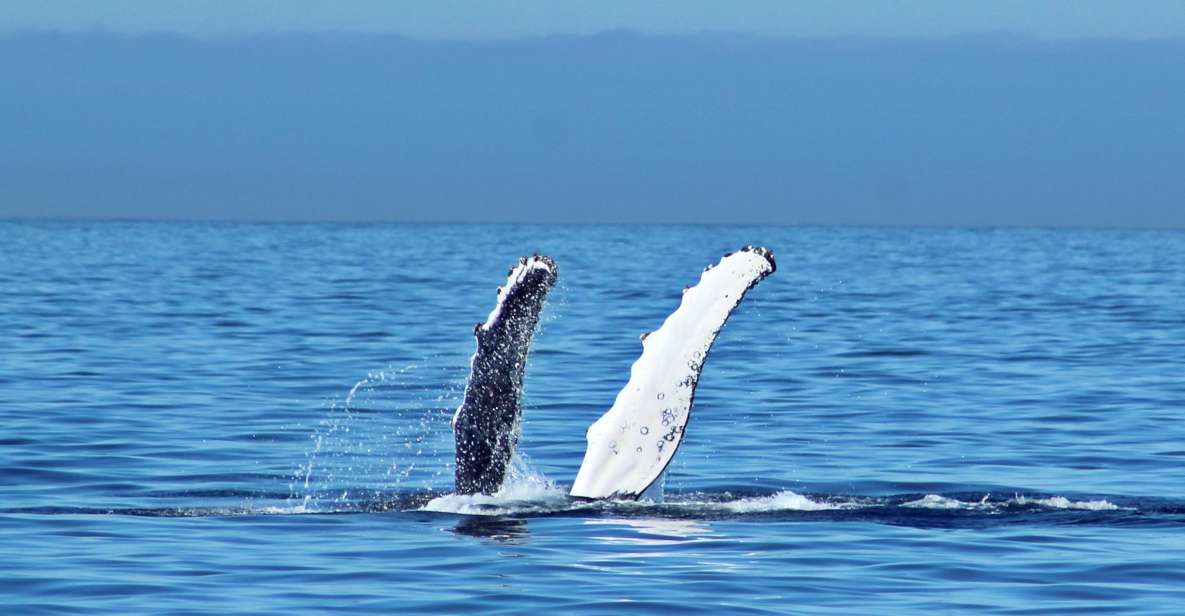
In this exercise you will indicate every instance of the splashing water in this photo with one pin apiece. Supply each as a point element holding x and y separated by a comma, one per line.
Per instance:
<point>525,490</point>
<point>373,442</point>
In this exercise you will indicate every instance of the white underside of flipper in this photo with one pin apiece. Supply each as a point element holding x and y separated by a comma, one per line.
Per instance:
<point>631,445</point>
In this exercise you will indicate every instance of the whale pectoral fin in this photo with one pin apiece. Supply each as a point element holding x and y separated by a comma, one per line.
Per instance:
<point>631,445</point>
<point>486,425</point>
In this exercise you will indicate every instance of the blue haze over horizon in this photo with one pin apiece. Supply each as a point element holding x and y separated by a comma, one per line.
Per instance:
<point>527,123</point>
<point>484,19</point>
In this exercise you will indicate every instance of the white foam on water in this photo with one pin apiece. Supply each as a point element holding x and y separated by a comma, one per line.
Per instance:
<point>296,509</point>
<point>504,502</point>
<point>934,501</point>
<point>1061,502</point>
<point>530,492</point>
<point>785,500</point>
<point>524,491</point>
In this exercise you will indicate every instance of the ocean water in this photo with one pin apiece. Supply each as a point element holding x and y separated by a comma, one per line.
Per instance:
<point>214,418</point>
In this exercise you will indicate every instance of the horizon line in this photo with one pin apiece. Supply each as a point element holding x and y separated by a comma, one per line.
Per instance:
<point>624,32</point>
<point>469,223</point>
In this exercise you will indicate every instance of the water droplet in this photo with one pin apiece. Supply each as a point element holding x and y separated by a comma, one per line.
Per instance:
<point>661,395</point>
<point>638,450</point>
<point>645,430</point>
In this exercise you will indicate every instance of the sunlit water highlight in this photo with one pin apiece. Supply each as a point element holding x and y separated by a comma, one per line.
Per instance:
<point>220,418</point>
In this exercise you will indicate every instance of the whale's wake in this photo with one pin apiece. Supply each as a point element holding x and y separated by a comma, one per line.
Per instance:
<point>535,499</point>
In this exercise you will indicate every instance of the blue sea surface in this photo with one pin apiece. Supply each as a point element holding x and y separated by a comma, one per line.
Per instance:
<point>217,418</point>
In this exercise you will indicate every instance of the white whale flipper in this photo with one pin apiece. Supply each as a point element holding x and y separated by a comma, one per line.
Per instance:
<point>631,445</point>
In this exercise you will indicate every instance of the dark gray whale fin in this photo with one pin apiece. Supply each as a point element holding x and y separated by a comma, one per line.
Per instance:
<point>486,425</point>
<point>631,445</point>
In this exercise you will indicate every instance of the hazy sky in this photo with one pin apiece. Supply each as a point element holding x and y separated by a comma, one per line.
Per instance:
<point>844,112</point>
<point>479,18</point>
